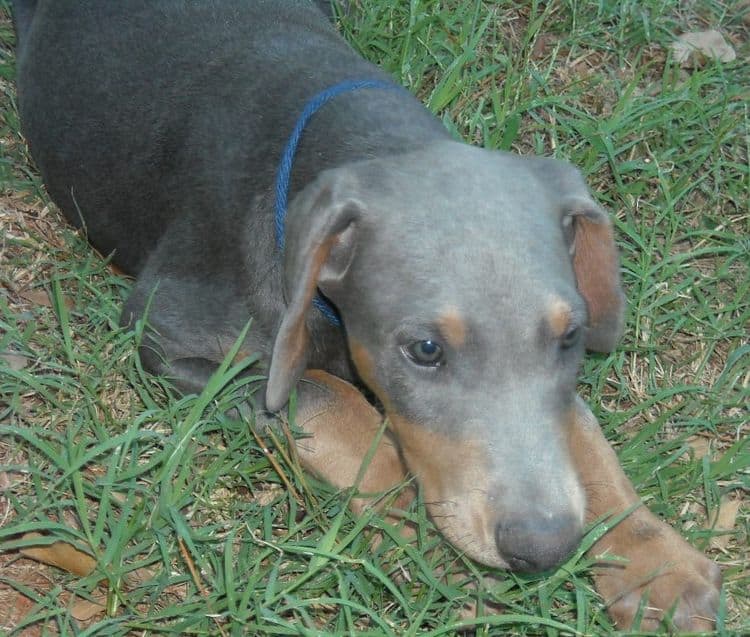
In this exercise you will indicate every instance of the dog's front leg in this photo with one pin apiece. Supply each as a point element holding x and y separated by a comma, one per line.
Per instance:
<point>343,426</point>
<point>659,565</point>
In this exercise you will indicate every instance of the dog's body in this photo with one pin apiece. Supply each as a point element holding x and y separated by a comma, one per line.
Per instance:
<point>468,281</point>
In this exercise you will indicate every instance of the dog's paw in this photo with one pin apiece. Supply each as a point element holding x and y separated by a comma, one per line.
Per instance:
<point>662,574</point>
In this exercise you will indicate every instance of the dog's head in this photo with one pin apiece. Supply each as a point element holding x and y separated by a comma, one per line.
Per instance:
<point>469,283</point>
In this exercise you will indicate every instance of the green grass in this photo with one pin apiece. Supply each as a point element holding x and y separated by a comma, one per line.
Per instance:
<point>97,453</point>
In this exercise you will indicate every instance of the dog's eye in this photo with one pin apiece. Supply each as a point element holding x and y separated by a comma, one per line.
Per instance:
<point>425,353</point>
<point>571,337</point>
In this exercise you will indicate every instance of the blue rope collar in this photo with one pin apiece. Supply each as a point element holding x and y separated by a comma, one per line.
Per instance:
<point>287,158</point>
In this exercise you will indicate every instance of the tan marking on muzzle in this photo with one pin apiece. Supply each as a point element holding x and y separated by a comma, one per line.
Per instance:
<point>558,317</point>
<point>431,455</point>
<point>453,474</point>
<point>453,327</point>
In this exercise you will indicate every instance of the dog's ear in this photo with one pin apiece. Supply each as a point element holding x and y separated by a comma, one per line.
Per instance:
<point>588,232</point>
<point>320,229</point>
<point>596,265</point>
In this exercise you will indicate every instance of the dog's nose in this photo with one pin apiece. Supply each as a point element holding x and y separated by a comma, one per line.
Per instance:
<point>537,543</point>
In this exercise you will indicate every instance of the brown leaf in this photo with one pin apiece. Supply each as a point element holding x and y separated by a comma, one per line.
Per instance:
<point>15,361</point>
<point>38,296</point>
<point>708,43</point>
<point>60,554</point>
<point>543,43</point>
<point>700,445</point>
<point>84,609</point>
<point>140,576</point>
<point>725,520</point>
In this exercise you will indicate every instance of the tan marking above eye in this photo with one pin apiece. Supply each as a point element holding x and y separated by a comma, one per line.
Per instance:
<point>452,327</point>
<point>446,465</point>
<point>558,317</point>
<point>453,474</point>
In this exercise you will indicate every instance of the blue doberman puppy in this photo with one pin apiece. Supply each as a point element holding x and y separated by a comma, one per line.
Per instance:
<point>467,282</point>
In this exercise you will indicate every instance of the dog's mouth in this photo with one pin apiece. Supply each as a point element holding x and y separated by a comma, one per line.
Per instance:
<point>529,543</point>
<point>494,516</point>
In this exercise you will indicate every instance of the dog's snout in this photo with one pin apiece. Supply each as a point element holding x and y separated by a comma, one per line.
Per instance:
<point>537,543</point>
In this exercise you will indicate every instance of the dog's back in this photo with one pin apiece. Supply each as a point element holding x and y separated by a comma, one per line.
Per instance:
<point>168,119</point>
